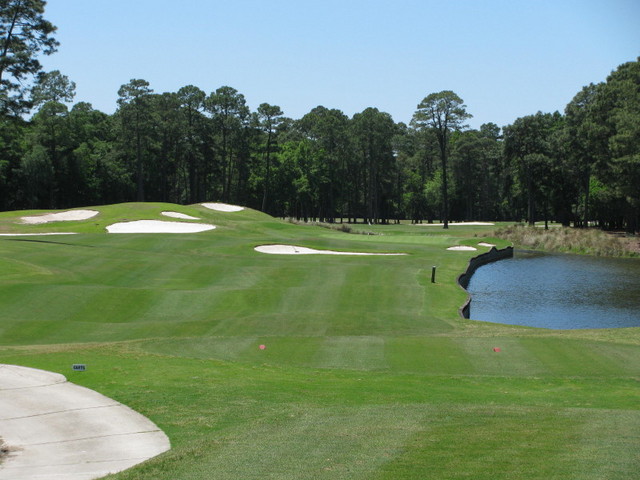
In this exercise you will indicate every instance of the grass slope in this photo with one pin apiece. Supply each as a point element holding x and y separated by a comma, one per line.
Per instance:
<point>368,372</point>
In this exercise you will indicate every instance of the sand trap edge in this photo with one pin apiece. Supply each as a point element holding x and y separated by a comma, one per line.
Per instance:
<point>158,226</point>
<point>279,249</point>
<point>485,244</point>
<point>35,234</point>
<point>68,216</point>
<point>222,207</point>
<point>183,216</point>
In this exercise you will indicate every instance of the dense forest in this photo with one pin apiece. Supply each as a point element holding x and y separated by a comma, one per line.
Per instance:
<point>579,167</point>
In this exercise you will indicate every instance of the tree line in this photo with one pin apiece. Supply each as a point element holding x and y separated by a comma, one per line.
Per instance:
<point>578,167</point>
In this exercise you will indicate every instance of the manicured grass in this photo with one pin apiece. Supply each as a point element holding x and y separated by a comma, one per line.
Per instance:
<point>368,372</point>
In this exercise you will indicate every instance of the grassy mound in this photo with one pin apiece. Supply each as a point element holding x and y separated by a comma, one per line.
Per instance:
<point>368,372</point>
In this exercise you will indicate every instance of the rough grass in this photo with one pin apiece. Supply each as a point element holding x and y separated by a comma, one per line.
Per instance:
<point>564,239</point>
<point>368,371</point>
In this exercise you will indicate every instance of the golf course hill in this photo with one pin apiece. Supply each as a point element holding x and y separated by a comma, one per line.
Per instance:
<point>328,355</point>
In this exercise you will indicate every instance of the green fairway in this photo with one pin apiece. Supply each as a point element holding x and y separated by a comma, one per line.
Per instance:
<point>368,372</point>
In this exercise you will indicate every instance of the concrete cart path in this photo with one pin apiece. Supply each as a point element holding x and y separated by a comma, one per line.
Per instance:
<point>57,430</point>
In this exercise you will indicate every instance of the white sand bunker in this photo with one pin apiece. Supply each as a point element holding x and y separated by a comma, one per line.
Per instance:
<point>484,244</point>
<point>462,248</point>
<point>158,226</point>
<point>222,207</point>
<point>34,234</point>
<point>454,224</point>
<point>295,250</point>
<point>184,216</point>
<point>68,216</point>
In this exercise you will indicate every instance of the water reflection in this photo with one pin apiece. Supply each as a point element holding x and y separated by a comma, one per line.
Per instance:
<point>558,291</point>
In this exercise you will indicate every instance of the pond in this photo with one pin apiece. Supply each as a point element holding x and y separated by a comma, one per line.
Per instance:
<point>557,291</point>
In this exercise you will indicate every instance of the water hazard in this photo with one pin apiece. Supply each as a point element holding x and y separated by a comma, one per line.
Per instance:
<point>558,291</point>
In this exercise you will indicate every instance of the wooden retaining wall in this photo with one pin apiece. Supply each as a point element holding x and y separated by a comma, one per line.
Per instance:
<point>492,255</point>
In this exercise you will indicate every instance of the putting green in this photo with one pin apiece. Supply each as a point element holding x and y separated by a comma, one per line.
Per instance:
<point>368,372</point>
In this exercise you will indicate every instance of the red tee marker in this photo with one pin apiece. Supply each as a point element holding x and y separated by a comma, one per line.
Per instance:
<point>262,347</point>
<point>496,349</point>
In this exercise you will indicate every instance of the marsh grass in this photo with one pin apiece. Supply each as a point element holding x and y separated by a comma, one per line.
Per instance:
<point>563,239</point>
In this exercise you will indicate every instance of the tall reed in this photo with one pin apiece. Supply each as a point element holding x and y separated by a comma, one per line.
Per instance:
<point>587,241</point>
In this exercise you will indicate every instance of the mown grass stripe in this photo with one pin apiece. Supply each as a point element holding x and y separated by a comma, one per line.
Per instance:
<point>360,353</point>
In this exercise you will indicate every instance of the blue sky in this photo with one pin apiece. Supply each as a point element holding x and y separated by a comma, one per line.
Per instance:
<point>504,58</point>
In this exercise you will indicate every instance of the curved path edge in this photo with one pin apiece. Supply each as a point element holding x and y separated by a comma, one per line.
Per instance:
<point>56,430</point>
